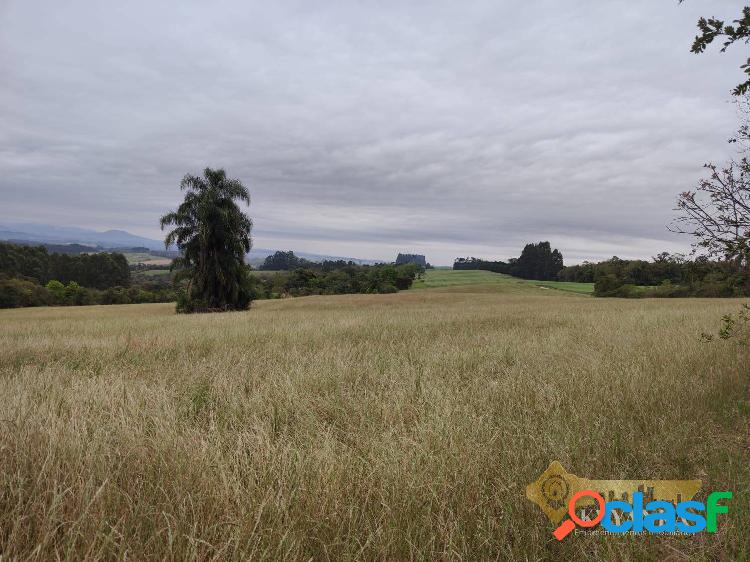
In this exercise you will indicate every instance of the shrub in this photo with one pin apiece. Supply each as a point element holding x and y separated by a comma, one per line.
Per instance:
<point>188,305</point>
<point>75,294</point>
<point>15,293</point>
<point>607,285</point>
<point>57,291</point>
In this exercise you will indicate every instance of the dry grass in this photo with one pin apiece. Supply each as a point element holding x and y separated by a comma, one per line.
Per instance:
<point>359,427</point>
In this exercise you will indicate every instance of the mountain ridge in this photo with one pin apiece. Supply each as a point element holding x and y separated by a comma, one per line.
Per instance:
<point>117,238</point>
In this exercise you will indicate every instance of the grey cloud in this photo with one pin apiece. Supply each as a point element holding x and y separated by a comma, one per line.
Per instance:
<point>362,129</point>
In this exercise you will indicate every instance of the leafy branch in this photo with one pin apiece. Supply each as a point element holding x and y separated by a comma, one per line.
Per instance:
<point>714,28</point>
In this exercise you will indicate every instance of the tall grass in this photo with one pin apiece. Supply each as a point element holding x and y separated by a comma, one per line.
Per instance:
<point>391,427</point>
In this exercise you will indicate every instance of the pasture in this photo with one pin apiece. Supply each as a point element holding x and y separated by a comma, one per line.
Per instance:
<point>143,258</point>
<point>440,278</point>
<point>360,427</point>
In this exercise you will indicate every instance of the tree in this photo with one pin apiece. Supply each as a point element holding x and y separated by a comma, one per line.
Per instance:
<point>74,294</point>
<point>213,236</point>
<point>538,261</point>
<point>472,263</point>
<point>284,261</point>
<point>712,28</point>
<point>57,291</point>
<point>98,270</point>
<point>717,213</point>
<point>418,259</point>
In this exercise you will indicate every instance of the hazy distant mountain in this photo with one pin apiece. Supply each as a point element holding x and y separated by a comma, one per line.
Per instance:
<point>258,255</point>
<point>71,235</point>
<point>44,233</point>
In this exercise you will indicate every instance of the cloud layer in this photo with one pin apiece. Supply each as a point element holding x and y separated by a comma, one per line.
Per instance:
<point>368,128</point>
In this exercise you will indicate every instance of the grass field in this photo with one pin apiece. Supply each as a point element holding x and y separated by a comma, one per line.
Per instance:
<point>144,258</point>
<point>361,427</point>
<point>268,273</point>
<point>164,273</point>
<point>440,278</point>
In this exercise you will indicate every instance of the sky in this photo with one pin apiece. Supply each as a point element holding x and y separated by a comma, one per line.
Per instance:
<point>367,128</point>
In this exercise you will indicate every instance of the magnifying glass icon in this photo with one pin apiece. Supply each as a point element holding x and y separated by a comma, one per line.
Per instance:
<point>569,524</point>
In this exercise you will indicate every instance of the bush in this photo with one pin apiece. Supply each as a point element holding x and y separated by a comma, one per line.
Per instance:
<point>16,293</point>
<point>115,295</point>
<point>76,295</point>
<point>188,305</point>
<point>57,291</point>
<point>607,286</point>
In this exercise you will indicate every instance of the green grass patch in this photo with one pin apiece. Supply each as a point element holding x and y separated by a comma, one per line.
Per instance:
<point>446,278</point>
<point>143,257</point>
<point>582,288</point>
<point>156,273</point>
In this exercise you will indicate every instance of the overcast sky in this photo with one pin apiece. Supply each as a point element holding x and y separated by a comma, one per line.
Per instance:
<point>367,128</point>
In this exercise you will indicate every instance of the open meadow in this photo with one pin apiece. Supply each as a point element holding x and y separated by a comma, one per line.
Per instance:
<point>359,427</point>
<point>441,278</point>
<point>143,258</point>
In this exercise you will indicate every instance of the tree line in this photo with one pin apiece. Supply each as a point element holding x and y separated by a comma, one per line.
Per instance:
<point>283,261</point>
<point>666,275</point>
<point>33,276</point>
<point>17,293</point>
<point>537,261</point>
<point>418,259</point>
<point>337,278</point>
<point>98,270</point>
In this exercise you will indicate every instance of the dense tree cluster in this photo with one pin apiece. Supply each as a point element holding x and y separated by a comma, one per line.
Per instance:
<point>484,265</point>
<point>664,276</point>
<point>68,248</point>
<point>537,261</point>
<point>284,261</point>
<point>332,265</point>
<point>98,271</point>
<point>417,259</point>
<point>326,279</point>
<point>16,293</point>
<point>31,276</point>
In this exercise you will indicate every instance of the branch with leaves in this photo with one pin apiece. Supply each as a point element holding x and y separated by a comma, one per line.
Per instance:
<point>734,327</point>
<point>739,30</point>
<point>717,212</point>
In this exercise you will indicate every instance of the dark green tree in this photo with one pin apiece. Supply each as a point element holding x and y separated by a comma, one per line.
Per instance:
<point>213,236</point>
<point>283,261</point>
<point>538,261</point>
<point>99,270</point>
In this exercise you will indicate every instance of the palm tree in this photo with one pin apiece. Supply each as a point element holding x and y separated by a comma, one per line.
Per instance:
<point>213,235</point>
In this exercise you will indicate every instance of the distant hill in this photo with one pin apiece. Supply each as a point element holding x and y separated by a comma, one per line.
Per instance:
<point>72,249</point>
<point>258,255</point>
<point>30,233</point>
<point>69,235</point>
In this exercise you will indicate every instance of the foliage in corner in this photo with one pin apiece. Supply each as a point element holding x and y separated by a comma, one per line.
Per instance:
<point>734,327</point>
<point>713,28</point>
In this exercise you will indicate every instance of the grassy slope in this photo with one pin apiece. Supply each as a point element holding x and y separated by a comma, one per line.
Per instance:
<point>360,426</point>
<point>441,278</point>
<point>156,273</point>
<point>136,258</point>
